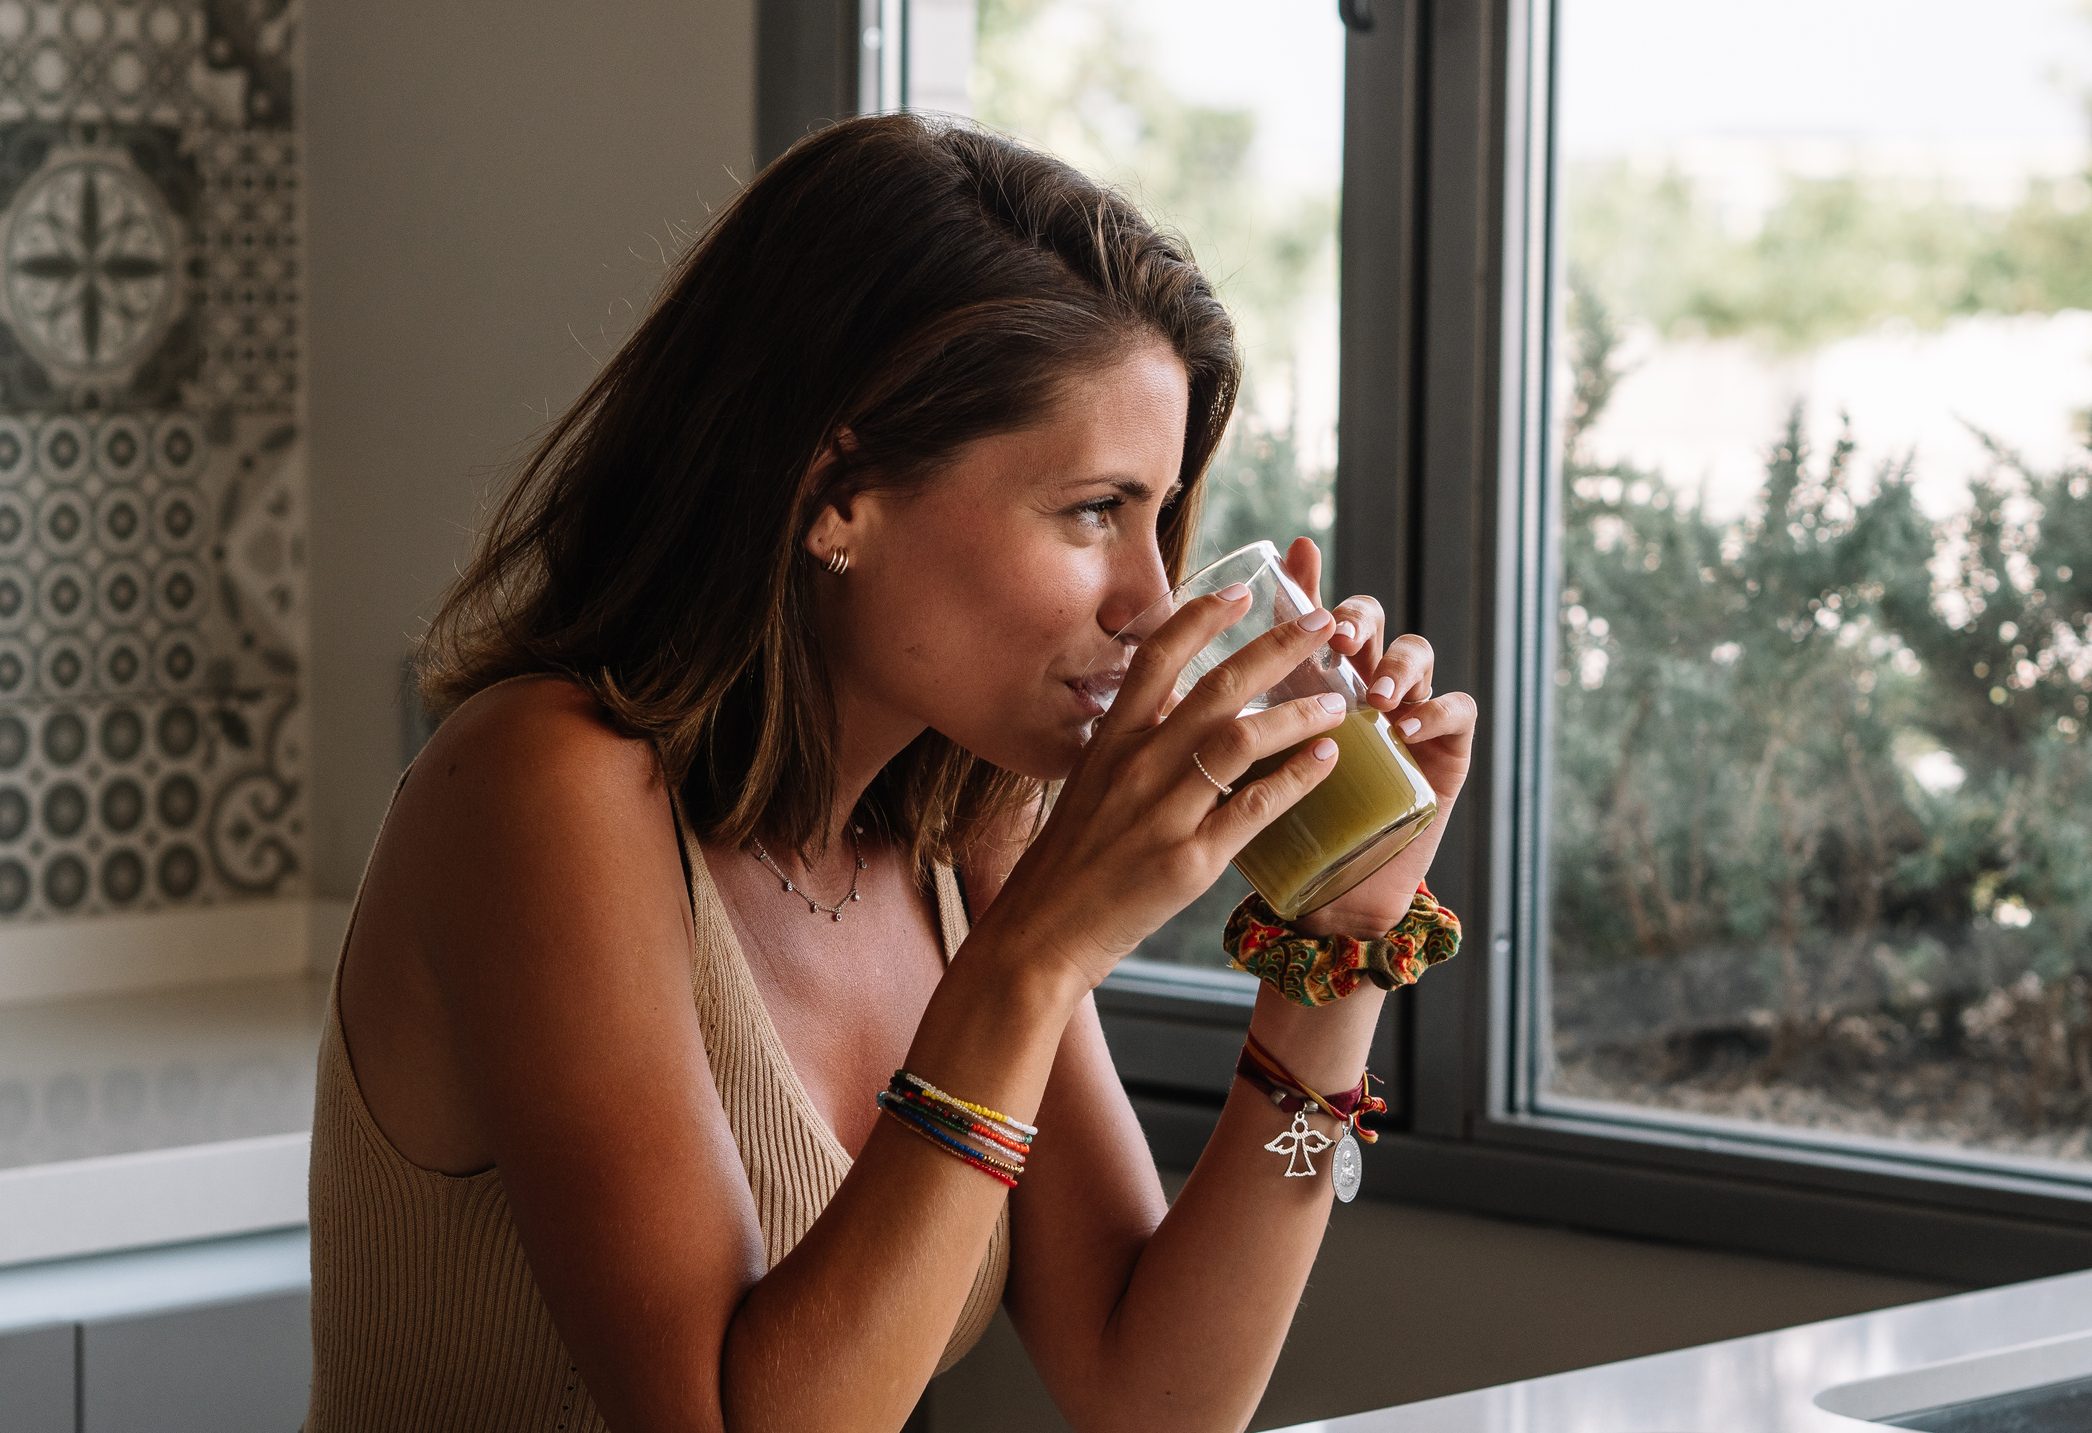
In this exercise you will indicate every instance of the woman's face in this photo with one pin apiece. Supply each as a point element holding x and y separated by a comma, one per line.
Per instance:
<point>970,606</point>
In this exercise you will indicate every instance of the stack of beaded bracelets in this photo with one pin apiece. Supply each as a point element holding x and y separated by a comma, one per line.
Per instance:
<point>1318,969</point>
<point>948,1123</point>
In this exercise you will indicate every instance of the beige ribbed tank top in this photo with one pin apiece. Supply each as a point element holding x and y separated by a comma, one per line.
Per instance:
<point>425,1314</point>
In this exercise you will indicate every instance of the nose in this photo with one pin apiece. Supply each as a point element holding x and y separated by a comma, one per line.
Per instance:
<point>1137,585</point>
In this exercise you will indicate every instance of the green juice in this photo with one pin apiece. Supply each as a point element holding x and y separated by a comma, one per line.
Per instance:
<point>1361,815</point>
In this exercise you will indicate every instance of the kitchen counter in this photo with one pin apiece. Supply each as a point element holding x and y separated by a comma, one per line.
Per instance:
<point>103,1075</point>
<point>156,1116</point>
<point>1777,1382</point>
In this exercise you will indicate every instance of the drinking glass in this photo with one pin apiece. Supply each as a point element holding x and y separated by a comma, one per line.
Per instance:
<point>1356,818</point>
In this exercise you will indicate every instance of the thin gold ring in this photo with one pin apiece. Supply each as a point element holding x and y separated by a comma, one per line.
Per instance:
<point>1225,789</point>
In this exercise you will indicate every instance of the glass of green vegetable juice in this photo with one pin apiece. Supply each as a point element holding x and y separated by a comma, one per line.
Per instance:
<point>1364,811</point>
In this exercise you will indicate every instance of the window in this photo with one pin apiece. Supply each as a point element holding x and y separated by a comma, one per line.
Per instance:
<point>1772,861</point>
<point>1815,748</point>
<point>1722,915</point>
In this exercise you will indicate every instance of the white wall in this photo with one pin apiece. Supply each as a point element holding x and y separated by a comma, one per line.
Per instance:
<point>488,180</point>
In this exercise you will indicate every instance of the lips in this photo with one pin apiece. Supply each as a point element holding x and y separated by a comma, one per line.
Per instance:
<point>1096,690</point>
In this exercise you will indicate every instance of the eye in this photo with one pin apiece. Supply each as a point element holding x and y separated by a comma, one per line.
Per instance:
<point>1098,508</point>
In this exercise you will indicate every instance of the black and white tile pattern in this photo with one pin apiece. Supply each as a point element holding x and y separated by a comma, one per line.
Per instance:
<point>66,61</point>
<point>152,484</point>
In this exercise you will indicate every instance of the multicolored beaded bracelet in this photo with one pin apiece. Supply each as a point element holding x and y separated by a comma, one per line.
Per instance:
<point>948,1122</point>
<point>948,1144</point>
<point>1022,1129</point>
<point>1311,969</point>
<point>965,1124</point>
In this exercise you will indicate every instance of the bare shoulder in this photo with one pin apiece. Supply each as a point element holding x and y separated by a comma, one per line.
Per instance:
<point>558,944</point>
<point>526,735</point>
<point>526,809</point>
<point>527,780</point>
<point>530,815</point>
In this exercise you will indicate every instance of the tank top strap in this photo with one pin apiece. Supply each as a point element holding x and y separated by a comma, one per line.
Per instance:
<point>708,972</point>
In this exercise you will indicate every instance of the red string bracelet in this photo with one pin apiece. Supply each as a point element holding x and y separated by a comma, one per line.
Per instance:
<point>1265,1071</point>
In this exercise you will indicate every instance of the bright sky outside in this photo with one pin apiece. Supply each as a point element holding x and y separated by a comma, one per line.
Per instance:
<point>2006,74</point>
<point>1984,97</point>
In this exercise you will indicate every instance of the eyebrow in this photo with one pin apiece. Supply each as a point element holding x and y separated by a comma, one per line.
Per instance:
<point>1134,488</point>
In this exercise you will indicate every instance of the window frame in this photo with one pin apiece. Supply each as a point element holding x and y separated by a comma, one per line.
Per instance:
<point>1447,245</point>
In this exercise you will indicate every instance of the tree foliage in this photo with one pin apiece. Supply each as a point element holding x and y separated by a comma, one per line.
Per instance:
<point>1832,257</point>
<point>1740,711</point>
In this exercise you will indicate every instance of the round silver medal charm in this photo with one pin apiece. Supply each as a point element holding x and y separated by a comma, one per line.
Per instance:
<point>1346,1167</point>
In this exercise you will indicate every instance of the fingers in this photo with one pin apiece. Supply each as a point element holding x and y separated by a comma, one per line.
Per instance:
<point>1256,804</point>
<point>1403,674</point>
<point>1235,748</point>
<point>1151,677</point>
<point>1361,625</point>
<point>1303,562</point>
<point>1450,716</point>
<point>1222,693</point>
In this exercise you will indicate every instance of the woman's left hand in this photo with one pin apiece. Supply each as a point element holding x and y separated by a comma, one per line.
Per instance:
<point>1397,675</point>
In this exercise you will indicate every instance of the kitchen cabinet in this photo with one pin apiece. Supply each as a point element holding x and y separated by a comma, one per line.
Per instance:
<point>211,1335</point>
<point>36,1380</point>
<point>244,1364</point>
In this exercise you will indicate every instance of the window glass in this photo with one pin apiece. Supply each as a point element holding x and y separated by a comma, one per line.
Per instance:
<point>1819,801</point>
<point>1223,120</point>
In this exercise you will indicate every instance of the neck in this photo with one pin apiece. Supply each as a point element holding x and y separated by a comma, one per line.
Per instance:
<point>869,739</point>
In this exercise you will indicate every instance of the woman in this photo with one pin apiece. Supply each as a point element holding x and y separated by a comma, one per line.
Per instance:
<point>726,898</point>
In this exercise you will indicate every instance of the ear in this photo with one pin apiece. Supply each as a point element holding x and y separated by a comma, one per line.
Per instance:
<point>842,519</point>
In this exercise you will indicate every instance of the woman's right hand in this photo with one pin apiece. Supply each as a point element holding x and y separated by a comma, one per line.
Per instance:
<point>1137,834</point>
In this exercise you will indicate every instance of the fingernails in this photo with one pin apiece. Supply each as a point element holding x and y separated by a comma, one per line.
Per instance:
<point>1324,749</point>
<point>1234,592</point>
<point>1331,702</point>
<point>1345,629</point>
<point>1382,687</point>
<point>1409,725</point>
<point>1316,620</point>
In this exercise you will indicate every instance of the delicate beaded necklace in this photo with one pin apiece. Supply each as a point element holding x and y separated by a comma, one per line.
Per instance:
<point>835,911</point>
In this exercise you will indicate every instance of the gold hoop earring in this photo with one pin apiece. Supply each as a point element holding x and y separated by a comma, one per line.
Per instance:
<point>839,561</point>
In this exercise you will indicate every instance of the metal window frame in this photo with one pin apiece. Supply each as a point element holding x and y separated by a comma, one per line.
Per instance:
<point>818,60</point>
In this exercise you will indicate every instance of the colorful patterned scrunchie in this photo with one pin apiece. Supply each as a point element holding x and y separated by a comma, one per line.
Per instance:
<point>1318,969</point>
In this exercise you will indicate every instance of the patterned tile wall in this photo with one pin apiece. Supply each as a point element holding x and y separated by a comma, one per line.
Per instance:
<point>153,733</point>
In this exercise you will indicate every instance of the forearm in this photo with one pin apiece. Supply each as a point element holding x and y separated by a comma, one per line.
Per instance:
<point>847,1329</point>
<point>1199,1327</point>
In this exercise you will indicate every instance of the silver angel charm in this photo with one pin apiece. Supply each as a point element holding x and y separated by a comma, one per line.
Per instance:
<point>1299,1144</point>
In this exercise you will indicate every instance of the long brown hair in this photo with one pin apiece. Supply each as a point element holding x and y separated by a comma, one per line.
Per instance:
<point>920,282</point>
